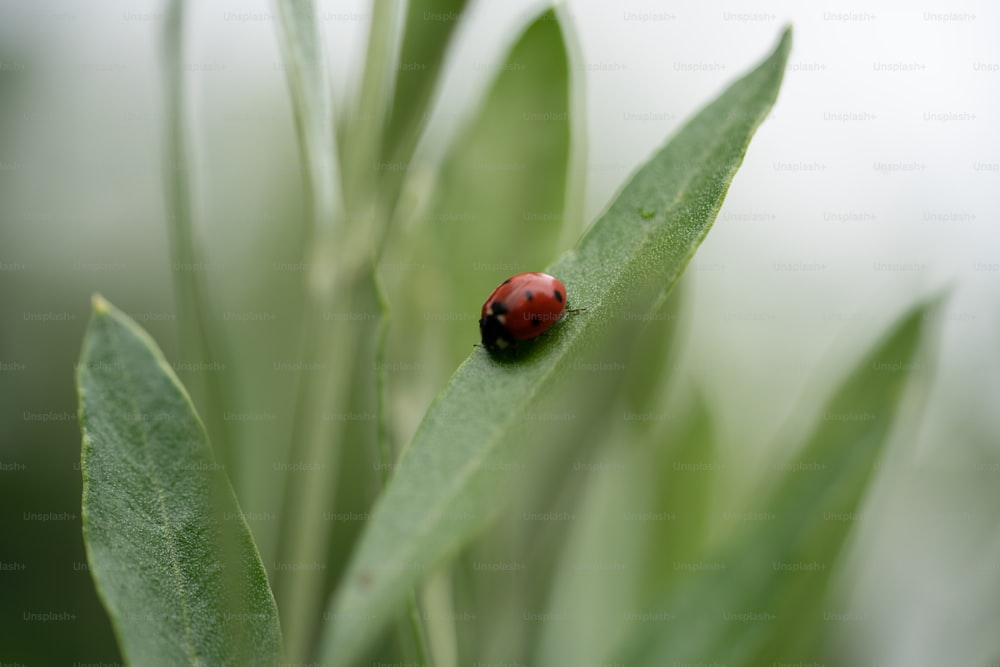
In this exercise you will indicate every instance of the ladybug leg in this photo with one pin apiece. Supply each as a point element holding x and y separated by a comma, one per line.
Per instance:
<point>569,311</point>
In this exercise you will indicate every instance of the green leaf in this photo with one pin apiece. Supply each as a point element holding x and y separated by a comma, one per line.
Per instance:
<point>501,169</point>
<point>504,179</point>
<point>305,70</point>
<point>428,30</point>
<point>447,487</point>
<point>170,553</point>
<point>658,343</point>
<point>330,248</point>
<point>679,474</point>
<point>760,596</point>
<point>429,27</point>
<point>363,138</point>
<point>638,518</point>
<point>200,338</point>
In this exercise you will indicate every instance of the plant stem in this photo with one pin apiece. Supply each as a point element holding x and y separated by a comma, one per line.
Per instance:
<point>189,293</point>
<point>386,455</point>
<point>365,138</point>
<point>383,437</point>
<point>303,532</point>
<point>423,656</point>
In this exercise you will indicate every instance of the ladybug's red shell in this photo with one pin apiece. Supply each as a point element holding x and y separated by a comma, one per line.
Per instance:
<point>521,308</point>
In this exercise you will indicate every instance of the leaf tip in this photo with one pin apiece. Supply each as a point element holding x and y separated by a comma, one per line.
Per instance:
<point>785,42</point>
<point>100,305</point>
<point>939,297</point>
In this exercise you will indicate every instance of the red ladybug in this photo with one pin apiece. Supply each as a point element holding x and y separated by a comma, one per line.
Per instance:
<point>521,308</point>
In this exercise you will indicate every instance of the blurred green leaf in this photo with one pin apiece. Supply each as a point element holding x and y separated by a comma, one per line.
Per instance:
<point>758,598</point>
<point>428,30</point>
<point>170,553</point>
<point>333,251</point>
<point>678,473</point>
<point>445,491</point>
<point>657,344</point>
<point>362,136</point>
<point>595,577</point>
<point>504,180</point>
<point>500,166</point>
<point>427,33</point>
<point>305,70</point>
<point>201,339</point>
<point>640,516</point>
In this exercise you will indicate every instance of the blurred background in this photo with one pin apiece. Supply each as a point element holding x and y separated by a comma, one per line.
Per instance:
<point>873,183</point>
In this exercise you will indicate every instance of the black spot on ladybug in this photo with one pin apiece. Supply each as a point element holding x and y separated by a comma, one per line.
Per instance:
<point>558,295</point>
<point>528,295</point>
<point>498,308</point>
<point>536,321</point>
<point>505,282</point>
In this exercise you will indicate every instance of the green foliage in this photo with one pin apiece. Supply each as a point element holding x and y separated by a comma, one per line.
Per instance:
<point>504,179</point>
<point>305,69</point>
<point>174,561</point>
<point>167,545</point>
<point>421,56</point>
<point>760,598</point>
<point>444,492</point>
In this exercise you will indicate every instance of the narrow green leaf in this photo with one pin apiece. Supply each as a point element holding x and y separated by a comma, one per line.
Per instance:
<point>446,488</point>
<point>503,179</point>
<point>427,32</point>
<point>639,517</point>
<point>595,578</point>
<point>505,176</point>
<point>200,338</point>
<point>170,553</point>
<point>362,144</point>
<point>679,472</point>
<point>658,343</point>
<point>305,70</point>
<point>742,609</point>
<point>329,250</point>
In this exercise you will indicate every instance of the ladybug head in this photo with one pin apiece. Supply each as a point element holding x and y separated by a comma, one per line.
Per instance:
<point>495,336</point>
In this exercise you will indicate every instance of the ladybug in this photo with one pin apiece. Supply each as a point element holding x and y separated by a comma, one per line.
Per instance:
<point>521,308</point>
